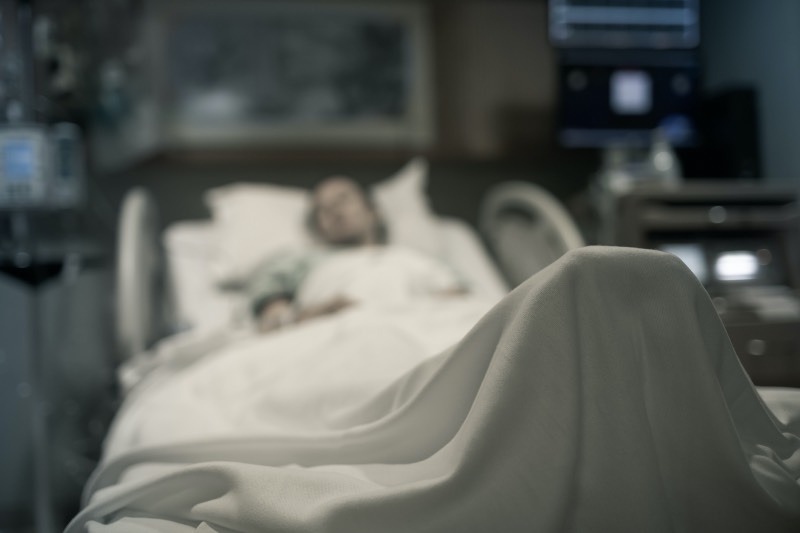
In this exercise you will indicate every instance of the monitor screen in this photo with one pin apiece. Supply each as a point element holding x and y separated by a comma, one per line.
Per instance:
<point>18,160</point>
<point>737,265</point>
<point>724,261</point>
<point>603,105</point>
<point>653,24</point>
<point>692,255</point>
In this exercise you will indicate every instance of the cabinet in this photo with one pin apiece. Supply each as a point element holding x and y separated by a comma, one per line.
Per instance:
<point>742,240</point>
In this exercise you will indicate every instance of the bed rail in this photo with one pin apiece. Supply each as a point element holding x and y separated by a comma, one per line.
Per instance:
<point>527,228</point>
<point>139,274</point>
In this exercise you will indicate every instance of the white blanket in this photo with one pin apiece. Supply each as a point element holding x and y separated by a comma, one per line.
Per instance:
<point>376,275</point>
<point>601,395</point>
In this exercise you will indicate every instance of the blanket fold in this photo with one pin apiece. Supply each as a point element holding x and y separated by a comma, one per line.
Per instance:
<point>601,395</point>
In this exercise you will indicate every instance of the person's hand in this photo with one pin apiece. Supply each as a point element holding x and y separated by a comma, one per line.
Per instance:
<point>328,308</point>
<point>280,313</point>
<point>276,315</point>
<point>452,292</point>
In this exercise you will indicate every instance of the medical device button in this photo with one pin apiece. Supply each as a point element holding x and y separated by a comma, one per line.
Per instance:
<point>757,347</point>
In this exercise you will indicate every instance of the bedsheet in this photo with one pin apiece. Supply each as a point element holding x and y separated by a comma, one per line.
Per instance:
<point>601,395</point>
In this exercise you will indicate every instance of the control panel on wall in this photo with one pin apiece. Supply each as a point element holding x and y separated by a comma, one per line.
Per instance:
<point>41,166</point>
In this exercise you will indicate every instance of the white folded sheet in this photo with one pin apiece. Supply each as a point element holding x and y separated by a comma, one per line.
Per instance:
<point>601,395</point>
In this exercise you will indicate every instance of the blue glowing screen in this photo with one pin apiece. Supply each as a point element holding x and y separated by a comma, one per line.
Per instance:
<point>18,160</point>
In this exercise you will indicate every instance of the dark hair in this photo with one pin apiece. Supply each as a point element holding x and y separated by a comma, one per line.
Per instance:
<point>381,231</point>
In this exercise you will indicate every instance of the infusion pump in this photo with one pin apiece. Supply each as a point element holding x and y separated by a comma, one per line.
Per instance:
<point>41,167</point>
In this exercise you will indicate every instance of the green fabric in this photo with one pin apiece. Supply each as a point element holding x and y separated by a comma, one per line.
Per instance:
<point>280,277</point>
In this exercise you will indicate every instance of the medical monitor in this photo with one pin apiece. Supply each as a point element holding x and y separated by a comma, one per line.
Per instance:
<point>613,98</point>
<point>19,161</point>
<point>626,67</point>
<point>23,165</point>
<point>641,24</point>
<point>726,261</point>
<point>41,166</point>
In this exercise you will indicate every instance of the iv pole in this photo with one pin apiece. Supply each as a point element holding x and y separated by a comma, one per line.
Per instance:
<point>17,24</point>
<point>25,257</point>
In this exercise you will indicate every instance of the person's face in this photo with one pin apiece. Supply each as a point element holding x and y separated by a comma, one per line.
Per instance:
<point>343,215</point>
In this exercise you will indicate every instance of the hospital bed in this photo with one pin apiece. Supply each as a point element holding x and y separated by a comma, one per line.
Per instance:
<point>485,418</point>
<point>524,226</point>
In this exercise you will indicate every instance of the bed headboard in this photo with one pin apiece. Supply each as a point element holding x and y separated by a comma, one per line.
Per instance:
<point>456,187</point>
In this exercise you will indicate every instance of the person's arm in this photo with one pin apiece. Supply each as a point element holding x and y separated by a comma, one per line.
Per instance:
<point>272,291</point>
<point>280,313</point>
<point>452,292</point>
<point>275,282</point>
<point>328,308</point>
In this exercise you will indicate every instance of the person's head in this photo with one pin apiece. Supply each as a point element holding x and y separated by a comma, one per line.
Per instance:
<point>342,214</point>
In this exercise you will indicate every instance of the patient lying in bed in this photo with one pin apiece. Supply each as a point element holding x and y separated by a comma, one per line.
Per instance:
<point>352,265</point>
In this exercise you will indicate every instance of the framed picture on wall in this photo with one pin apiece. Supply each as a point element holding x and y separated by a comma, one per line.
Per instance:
<point>330,74</point>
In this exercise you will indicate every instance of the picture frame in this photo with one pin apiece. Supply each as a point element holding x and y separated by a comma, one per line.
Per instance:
<point>233,73</point>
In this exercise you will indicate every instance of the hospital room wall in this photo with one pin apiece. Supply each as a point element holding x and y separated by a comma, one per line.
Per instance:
<point>456,187</point>
<point>496,77</point>
<point>747,42</point>
<point>495,102</point>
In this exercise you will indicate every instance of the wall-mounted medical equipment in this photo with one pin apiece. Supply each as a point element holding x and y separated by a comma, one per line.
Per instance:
<point>625,24</point>
<point>41,167</point>
<point>620,97</point>
<point>742,242</point>
<point>626,68</point>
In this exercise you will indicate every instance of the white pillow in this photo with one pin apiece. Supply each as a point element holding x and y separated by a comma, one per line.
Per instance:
<point>403,202</point>
<point>253,221</point>
<point>197,300</point>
